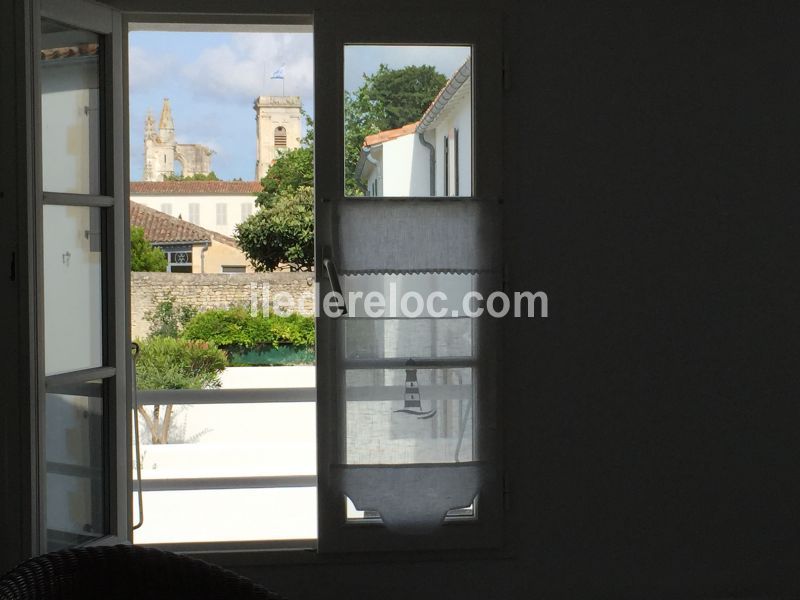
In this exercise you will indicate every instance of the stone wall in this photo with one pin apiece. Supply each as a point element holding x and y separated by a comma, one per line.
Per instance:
<point>218,290</point>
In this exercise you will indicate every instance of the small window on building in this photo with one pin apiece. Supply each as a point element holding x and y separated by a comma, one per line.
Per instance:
<point>280,136</point>
<point>446,163</point>
<point>454,170</point>
<point>234,269</point>
<point>166,207</point>
<point>194,213</point>
<point>179,259</point>
<point>222,214</point>
<point>247,210</point>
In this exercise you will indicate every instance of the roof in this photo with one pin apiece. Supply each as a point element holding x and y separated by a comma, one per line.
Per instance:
<point>389,134</point>
<point>450,89</point>
<point>161,228</point>
<point>195,187</point>
<point>79,50</point>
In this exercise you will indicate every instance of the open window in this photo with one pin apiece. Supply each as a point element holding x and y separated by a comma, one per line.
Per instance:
<point>79,208</point>
<point>408,398</point>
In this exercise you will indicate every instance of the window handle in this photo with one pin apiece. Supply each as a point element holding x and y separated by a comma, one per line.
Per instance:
<point>333,278</point>
<point>134,356</point>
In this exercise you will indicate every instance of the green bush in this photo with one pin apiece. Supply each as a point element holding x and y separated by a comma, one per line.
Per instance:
<point>235,327</point>
<point>166,363</point>
<point>225,327</point>
<point>294,329</point>
<point>168,318</point>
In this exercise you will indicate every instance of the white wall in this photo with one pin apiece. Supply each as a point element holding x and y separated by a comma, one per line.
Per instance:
<point>207,207</point>
<point>405,168</point>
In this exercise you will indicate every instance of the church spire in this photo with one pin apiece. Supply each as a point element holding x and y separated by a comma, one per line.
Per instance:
<point>166,128</point>
<point>149,131</point>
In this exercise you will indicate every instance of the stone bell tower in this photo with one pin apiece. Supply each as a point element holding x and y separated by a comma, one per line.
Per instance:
<point>277,129</point>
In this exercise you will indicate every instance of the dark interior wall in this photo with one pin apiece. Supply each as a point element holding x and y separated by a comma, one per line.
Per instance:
<point>651,169</point>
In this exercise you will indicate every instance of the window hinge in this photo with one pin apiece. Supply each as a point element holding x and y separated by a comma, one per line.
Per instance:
<point>13,267</point>
<point>506,72</point>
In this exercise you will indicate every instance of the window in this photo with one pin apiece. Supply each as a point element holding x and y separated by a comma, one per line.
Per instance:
<point>247,210</point>
<point>455,167</point>
<point>410,421</point>
<point>408,432</point>
<point>179,259</point>
<point>280,137</point>
<point>446,178</point>
<point>166,208</point>
<point>234,269</point>
<point>80,353</point>
<point>194,213</point>
<point>222,213</point>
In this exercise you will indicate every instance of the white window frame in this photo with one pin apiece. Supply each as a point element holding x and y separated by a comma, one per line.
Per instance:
<point>332,32</point>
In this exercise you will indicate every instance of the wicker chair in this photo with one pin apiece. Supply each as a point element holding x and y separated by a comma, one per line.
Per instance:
<point>125,573</point>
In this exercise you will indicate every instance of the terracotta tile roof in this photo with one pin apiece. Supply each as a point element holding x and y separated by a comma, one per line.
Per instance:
<point>161,228</point>
<point>195,187</point>
<point>390,134</point>
<point>89,49</point>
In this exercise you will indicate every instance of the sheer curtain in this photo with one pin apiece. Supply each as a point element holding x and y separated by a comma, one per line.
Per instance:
<point>409,379</point>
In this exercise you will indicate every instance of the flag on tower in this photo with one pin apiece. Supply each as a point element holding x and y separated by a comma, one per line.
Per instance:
<point>279,74</point>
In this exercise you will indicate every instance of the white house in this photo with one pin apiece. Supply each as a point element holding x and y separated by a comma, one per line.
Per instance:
<point>214,205</point>
<point>431,157</point>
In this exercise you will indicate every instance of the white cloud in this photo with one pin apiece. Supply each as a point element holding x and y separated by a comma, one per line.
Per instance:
<point>242,68</point>
<point>148,70</point>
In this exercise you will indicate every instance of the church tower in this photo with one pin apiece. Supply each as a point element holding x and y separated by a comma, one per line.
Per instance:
<point>161,151</point>
<point>277,129</point>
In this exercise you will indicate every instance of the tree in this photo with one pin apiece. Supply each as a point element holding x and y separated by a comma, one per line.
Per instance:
<point>211,176</point>
<point>293,169</point>
<point>281,231</point>
<point>388,99</point>
<point>144,256</point>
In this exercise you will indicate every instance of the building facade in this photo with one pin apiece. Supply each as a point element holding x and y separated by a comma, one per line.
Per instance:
<point>432,157</point>
<point>218,206</point>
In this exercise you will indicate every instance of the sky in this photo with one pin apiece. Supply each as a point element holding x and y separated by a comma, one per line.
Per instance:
<point>212,79</point>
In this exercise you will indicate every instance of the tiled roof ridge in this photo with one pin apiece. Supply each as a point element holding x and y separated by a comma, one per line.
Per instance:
<point>196,187</point>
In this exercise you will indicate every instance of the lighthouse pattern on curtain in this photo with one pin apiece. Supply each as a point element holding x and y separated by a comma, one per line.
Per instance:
<point>412,401</point>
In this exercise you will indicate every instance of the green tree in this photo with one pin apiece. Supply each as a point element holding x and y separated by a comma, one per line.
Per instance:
<point>292,170</point>
<point>211,176</point>
<point>281,231</point>
<point>388,99</point>
<point>145,257</point>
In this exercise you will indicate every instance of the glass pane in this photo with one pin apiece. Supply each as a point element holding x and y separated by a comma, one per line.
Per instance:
<point>73,298</point>
<point>70,84</point>
<point>408,120</point>
<point>409,416</point>
<point>76,484</point>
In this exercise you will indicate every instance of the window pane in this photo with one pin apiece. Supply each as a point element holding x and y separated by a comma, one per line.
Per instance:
<point>73,298</point>
<point>70,83</point>
<point>76,485</point>
<point>408,120</point>
<point>409,416</point>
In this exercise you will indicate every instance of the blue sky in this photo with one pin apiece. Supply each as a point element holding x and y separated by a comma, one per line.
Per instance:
<point>212,79</point>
